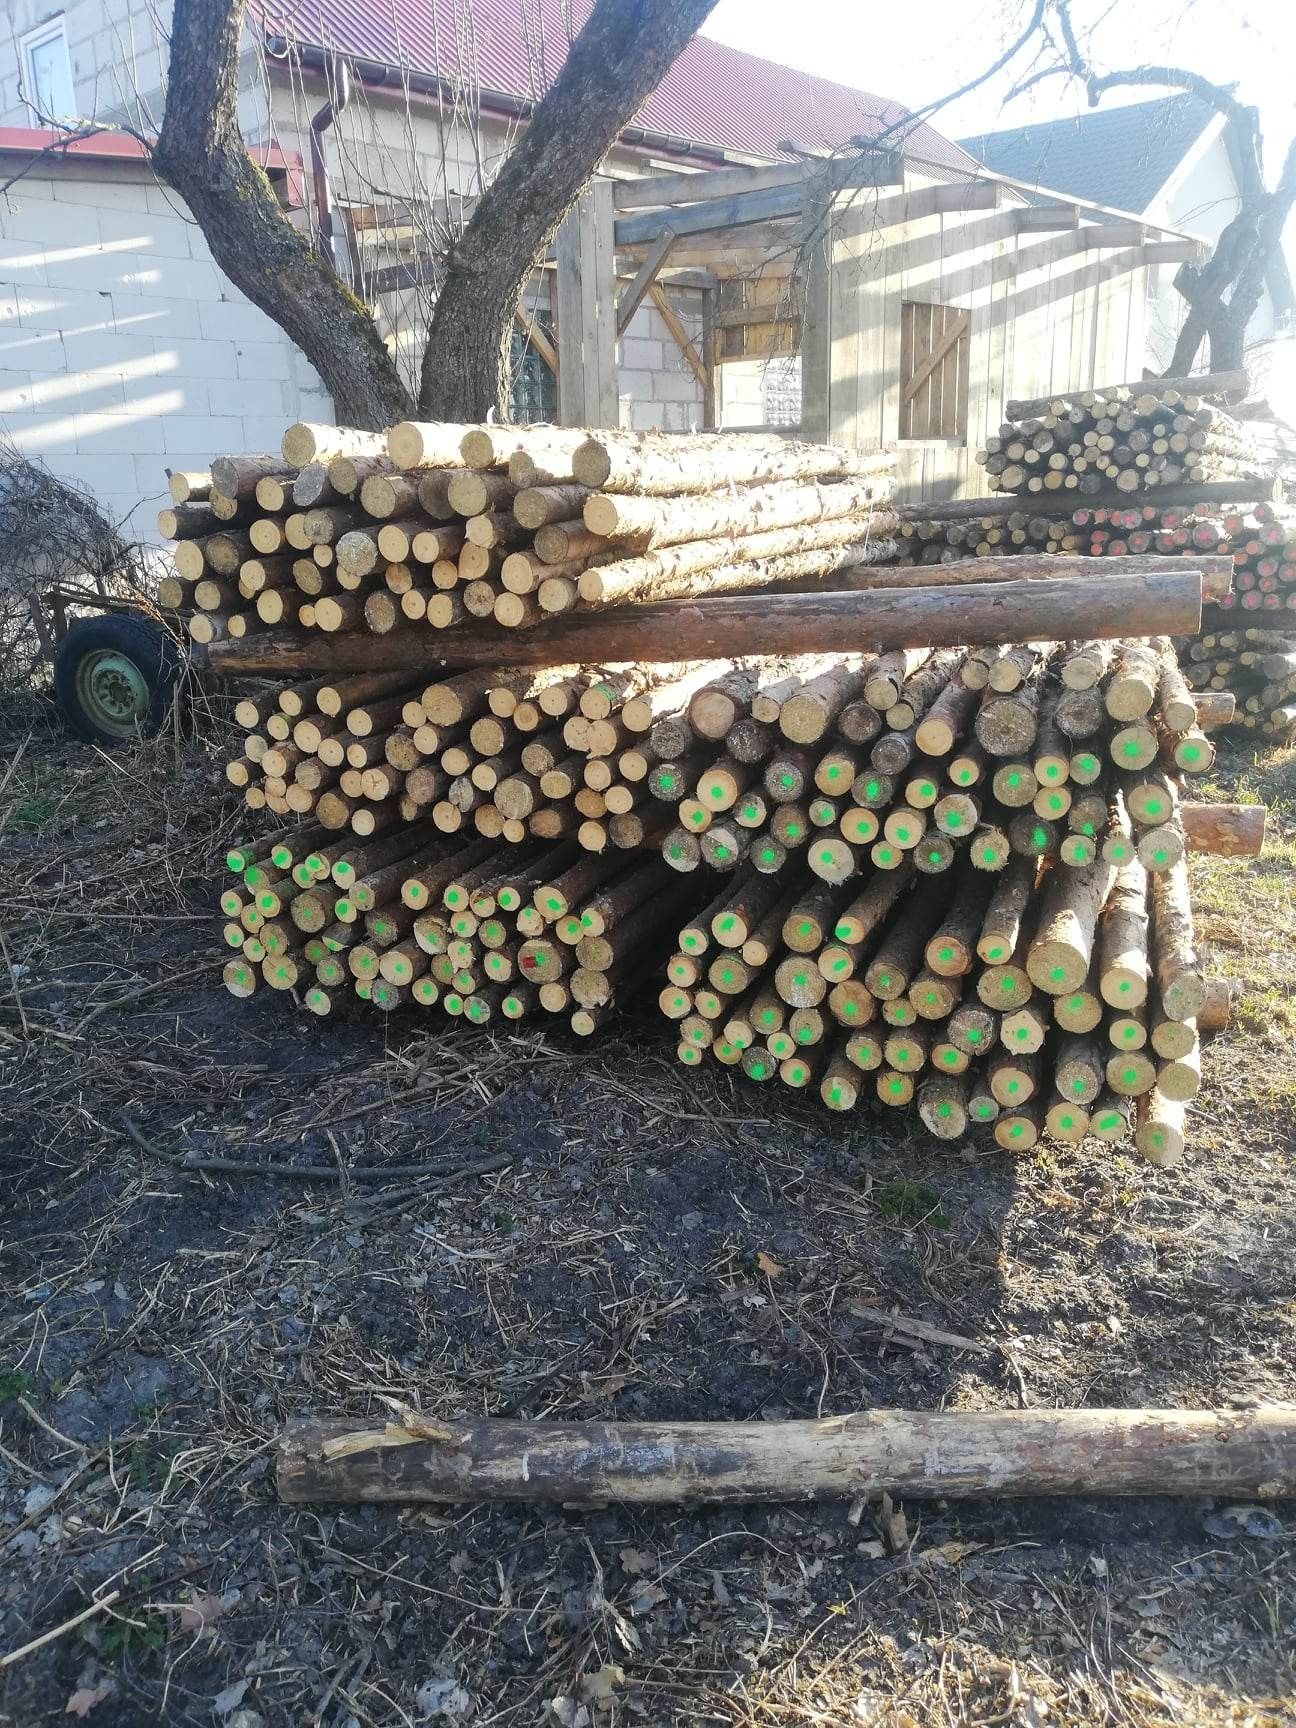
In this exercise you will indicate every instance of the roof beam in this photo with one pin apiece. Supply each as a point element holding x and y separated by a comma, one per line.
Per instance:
<point>1174,252</point>
<point>1104,236</point>
<point>1046,218</point>
<point>688,188</point>
<point>744,208</point>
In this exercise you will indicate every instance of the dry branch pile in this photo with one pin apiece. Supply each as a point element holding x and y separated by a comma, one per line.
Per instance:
<point>438,526</point>
<point>1132,438</point>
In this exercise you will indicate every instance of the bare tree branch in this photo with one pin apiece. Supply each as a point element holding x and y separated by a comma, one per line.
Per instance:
<point>620,56</point>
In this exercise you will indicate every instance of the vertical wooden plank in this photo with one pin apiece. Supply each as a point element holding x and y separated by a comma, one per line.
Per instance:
<point>571,360</point>
<point>598,304</point>
<point>844,317</point>
<point>709,358</point>
<point>868,248</point>
<point>816,326</point>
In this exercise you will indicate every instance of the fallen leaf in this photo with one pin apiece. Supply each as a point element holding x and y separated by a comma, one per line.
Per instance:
<point>567,1712</point>
<point>635,1562</point>
<point>768,1264</point>
<point>442,1695</point>
<point>1230,1522</point>
<point>195,1616</point>
<point>644,1596</point>
<point>597,1688</point>
<point>228,1700</point>
<point>84,1699</point>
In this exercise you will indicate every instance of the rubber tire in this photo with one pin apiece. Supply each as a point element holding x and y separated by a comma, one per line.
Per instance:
<point>140,640</point>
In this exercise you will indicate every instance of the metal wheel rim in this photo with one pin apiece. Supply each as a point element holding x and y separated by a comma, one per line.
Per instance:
<point>112,691</point>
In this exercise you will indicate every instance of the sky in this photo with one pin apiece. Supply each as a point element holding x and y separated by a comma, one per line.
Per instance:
<point>922,49</point>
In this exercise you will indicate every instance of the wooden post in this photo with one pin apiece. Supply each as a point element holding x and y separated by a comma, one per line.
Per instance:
<point>586,296</point>
<point>942,1454</point>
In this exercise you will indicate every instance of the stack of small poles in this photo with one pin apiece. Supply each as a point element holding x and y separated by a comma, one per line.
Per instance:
<point>1257,666</point>
<point>910,757</point>
<point>488,932</point>
<point>1132,438</point>
<point>1041,1000</point>
<point>441,526</point>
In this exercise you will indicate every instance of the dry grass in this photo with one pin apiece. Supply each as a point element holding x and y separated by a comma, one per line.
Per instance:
<point>603,1258</point>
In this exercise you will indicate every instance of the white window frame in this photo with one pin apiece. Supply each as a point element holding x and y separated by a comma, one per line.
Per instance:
<point>52,30</point>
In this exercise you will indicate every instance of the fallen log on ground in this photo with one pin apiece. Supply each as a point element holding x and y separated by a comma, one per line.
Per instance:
<point>944,1454</point>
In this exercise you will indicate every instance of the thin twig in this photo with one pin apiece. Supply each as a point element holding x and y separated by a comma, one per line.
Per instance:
<point>313,1172</point>
<point>58,1631</point>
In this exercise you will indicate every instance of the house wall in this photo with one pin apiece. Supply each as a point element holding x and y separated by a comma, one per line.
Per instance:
<point>1045,315</point>
<point>124,350</point>
<point>117,50</point>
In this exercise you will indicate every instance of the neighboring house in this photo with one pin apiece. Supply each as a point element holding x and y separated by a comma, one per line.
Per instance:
<point>1173,161</point>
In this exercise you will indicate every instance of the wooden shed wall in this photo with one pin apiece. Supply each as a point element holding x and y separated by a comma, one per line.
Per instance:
<point>1046,314</point>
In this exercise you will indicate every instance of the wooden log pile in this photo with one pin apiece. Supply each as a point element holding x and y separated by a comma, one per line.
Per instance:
<point>910,759</point>
<point>1131,437</point>
<point>1038,1001</point>
<point>485,932</point>
<point>1257,666</point>
<point>444,527</point>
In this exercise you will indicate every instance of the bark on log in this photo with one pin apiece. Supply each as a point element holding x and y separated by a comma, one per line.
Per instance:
<point>1224,830</point>
<point>821,623</point>
<point>1217,571</point>
<point>942,1454</point>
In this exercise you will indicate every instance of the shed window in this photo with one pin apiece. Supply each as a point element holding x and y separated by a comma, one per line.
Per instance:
<point>47,71</point>
<point>934,345</point>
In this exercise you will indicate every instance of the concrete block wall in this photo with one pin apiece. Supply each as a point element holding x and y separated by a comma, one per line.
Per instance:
<point>124,350</point>
<point>656,387</point>
<point>117,50</point>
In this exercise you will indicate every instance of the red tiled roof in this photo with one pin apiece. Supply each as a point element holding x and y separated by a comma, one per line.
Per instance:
<point>114,147</point>
<point>714,96</point>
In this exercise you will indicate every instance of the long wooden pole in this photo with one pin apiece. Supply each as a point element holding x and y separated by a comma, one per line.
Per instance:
<point>1011,503</point>
<point>1157,604</point>
<point>941,1454</point>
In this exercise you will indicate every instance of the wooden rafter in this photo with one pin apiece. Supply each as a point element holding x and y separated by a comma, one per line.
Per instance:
<point>681,335</point>
<point>634,295</point>
<point>530,328</point>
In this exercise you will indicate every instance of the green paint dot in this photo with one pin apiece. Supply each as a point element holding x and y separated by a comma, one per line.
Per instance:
<point>717,791</point>
<point>767,855</point>
<point>1191,753</point>
<point>885,854</point>
<point>974,1035</point>
<point>987,856</point>
<point>825,857</point>
<point>840,965</point>
<point>1087,828</point>
<point>995,953</point>
<point>787,781</point>
<point>884,981</point>
<point>949,1057</point>
<point>1006,984</point>
<point>1109,1120</point>
<point>963,776</point>
<point>1021,1034</point>
<point>1055,803</point>
<point>721,852</point>
<point>1129,1076</point>
<point>982,1109</point>
<point>554,903</point>
<point>1132,749</point>
<point>1159,857</point>
<point>1052,771</point>
<point>793,830</point>
<point>695,816</point>
<point>1086,764</point>
<point>1016,1131</point>
<point>834,772</point>
<point>934,856</point>
<point>1058,974</point>
<point>943,1111</point>
<point>1129,1032</point>
<point>850,1010</point>
<point>799,980</point>
<point>1014,779</point>
<point>872,789</point>
<point>805,1035</point>
<point>727,922</point>
<point>896,1087</point>
<point>1039,837</point>
<point>768,1017</point>
<point>835,1095</point>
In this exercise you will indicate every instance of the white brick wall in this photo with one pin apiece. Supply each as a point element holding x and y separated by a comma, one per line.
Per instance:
<point>656,385</point>
<point>123,348</point>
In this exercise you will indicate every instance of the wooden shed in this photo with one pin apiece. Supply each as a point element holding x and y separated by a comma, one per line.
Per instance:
<point>918,305</point>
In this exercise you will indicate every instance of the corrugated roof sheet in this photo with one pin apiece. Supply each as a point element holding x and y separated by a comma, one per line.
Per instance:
<point>713,96</point>
<point>1117,156</point>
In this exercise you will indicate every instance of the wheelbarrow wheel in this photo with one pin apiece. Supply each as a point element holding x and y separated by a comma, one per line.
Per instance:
<point>113,678</point>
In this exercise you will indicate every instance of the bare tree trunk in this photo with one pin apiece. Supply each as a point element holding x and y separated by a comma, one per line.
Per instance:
<point>200,153</point>
<point>619,58</point>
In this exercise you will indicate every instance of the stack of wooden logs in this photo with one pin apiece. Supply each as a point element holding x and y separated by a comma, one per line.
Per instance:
<point>1039,1001</point>
<point>1256,666</point>
<point>487,932</point>
<point>910,758</point>
<point>1134,438</point>
<point>437,526</point>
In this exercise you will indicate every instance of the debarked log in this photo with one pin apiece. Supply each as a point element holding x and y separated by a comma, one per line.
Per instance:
<point>918,1453</point>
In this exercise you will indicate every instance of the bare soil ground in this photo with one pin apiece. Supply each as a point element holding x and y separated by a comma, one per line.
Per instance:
<point>597,1232</point>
